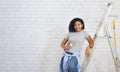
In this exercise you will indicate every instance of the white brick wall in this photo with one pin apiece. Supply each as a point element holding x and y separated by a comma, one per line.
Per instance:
<point>31,32</point>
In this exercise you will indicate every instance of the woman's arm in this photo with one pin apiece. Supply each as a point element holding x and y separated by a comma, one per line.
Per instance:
<point>65,47</point>
<point>91,43</point>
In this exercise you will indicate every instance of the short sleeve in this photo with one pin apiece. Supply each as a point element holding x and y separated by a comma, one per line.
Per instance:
<point>86,34</point>
<point>66,36</point>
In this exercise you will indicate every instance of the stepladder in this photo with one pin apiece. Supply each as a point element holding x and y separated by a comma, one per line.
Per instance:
<point>104,26</point>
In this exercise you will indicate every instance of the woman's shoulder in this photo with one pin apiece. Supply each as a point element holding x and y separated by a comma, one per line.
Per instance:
<point>85,32</point>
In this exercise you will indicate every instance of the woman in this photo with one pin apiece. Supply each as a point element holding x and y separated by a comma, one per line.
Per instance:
<point>72,45</point>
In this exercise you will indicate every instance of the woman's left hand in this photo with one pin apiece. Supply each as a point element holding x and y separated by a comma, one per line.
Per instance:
<point>87,52</point>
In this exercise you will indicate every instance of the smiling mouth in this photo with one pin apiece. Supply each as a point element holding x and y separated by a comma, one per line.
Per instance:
<point>77,29</point>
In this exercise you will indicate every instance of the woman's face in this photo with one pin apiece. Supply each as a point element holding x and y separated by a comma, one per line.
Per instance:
<point>78,26</point>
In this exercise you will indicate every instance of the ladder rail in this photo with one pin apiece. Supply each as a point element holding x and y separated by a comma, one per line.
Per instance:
<point>111,45</point>
<point>100,27</point>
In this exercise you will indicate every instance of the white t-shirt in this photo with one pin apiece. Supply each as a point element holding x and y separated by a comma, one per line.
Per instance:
<point>76,40</point>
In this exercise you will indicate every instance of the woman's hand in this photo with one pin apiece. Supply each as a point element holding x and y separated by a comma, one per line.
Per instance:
<point>63,44</point>
<point>87,52</point>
